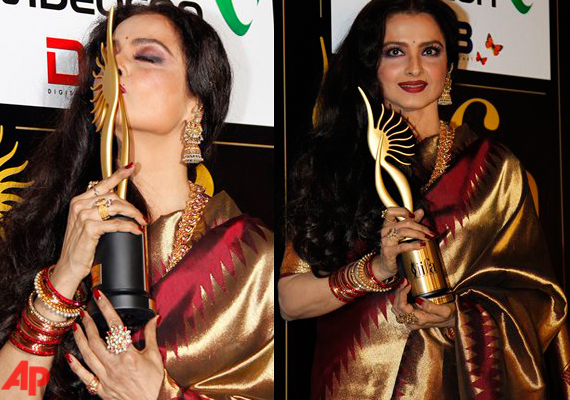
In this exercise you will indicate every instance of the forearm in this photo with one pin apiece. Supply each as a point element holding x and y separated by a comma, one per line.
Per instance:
<point>305,296</point>
<point>27,356</point>
<point>14,363</point>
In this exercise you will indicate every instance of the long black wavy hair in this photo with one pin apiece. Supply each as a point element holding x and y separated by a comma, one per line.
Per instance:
<point>334,214</point>
<point>68,159</point>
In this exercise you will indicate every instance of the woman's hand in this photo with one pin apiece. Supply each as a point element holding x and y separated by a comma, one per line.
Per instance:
<point>130,375</point>
<point>428,314</point>
<point>384,265</point>
<point>85,226</point>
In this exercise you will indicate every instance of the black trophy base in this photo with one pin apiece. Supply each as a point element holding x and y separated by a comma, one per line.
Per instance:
<point>132,308</point>
<point>121,273</point>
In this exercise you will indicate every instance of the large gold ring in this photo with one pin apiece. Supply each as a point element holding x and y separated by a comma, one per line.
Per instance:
<point>103,207</point>
<point>92,186</point>
<point>393,234</point>
<point>118,339</point>
<point>93,386</point>
<point>407,318</point>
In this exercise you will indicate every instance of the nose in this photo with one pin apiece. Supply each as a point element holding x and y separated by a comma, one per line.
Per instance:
<point>414,67</point>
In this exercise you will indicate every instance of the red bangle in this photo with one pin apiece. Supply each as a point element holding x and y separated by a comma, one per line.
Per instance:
<point>60,297</point>
<point>31,348</point>
<point>387,283</point>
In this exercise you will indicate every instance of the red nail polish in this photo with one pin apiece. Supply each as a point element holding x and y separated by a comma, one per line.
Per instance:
<point>433,234</point>
<point>419,301</point>
<point>129,165</point>
<point>97,294</point>
<point>68,358</point>
<point>141,229</point>
<point>423,244</point>
<point>81,313</point>
<point>74,326</point>
<point>146,219</point>
<point>158,320</point>
<point>411,215</point>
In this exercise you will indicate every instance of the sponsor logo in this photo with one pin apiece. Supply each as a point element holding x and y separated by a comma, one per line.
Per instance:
<point>229,13</point>
<point>27,378</point>
<point>521,6</point>
<point>54,77</point>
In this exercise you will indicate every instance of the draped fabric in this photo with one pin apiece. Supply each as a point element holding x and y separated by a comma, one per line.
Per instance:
<point>216,304</point>
<point>509,306</point>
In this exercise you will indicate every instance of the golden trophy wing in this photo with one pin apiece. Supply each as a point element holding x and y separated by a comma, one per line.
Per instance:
<point>106,100</point>
<point>386,139</point>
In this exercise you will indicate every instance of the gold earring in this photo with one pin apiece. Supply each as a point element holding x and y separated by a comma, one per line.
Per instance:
<point>191,138</point>
<point>445,98</point>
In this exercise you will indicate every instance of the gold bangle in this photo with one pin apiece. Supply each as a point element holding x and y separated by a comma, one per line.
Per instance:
<point>32,309</point>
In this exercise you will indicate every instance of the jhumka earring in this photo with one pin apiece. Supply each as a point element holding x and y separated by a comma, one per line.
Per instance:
<point>191,139</point>
<point>445,98</point>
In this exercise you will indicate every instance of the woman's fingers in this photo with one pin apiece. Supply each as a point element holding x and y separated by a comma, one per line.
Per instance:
<point>108,184</point>
<point>95,229</point>
<point>84,375</point>
<point>444,311</point>
<point>84,346</point>
<point>96,344</point>
<point>409,225</point>
<point>392,213</point>
<point>150,334</point>
<point>117,207</point>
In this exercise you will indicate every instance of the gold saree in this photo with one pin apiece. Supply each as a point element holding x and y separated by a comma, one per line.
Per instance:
<point>216,304</point>
<point>509,306</point>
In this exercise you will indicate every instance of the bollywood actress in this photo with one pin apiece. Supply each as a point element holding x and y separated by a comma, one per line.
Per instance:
<point>373,340</point>
<point>211,267</point>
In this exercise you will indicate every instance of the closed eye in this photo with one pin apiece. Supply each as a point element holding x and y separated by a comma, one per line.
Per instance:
<point>152,60</point>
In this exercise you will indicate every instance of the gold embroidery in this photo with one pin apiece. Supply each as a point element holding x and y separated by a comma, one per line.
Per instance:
<point>446,136</point>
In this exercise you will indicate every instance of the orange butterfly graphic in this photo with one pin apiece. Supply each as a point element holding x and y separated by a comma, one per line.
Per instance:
<point>491,45</point>
<point>483,60</point>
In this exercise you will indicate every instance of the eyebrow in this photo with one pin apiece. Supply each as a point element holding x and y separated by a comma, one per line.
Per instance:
<point>424,44</point>
<point>141,41</point>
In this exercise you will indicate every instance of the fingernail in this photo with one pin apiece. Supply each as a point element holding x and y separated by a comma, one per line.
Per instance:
<point>411,215</point>
<point>74,326</point>
<point>423,244</point>
<point>145,219</point>
<point>81,313</point>
<point>129,165</point>
<point>158,320</point>
<point>141,228</point>
<point>97,294</point>
<point>68,358</point>
<point>419,301</point>
<point>433,234</point>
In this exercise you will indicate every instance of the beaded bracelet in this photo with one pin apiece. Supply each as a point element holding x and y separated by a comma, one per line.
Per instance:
<point>51,300</point>
<point>32,310</point>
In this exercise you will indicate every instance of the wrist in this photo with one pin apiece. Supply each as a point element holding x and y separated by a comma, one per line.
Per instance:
<point>379,272</point>
<point>64,281</point>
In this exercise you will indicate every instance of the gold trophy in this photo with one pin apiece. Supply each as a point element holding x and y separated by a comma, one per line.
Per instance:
<point>120,267</point>
<point>424,267</point>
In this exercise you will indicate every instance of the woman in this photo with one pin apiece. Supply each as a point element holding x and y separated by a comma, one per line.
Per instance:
<point>489,342</point>
<point>213,335</point>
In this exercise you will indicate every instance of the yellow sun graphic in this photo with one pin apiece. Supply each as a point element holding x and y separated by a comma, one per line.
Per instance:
<point>4,173</point>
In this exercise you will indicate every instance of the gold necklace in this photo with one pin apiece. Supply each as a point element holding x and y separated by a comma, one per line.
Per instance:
<point>446,136</point>
<point>192,213</point>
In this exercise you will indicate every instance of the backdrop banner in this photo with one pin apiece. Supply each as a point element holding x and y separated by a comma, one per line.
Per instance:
<point>42,39</point>
<point>508,37</point>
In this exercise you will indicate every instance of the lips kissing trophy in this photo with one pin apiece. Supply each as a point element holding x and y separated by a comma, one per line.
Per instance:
<point>423,267</point>
<point>120,268</point>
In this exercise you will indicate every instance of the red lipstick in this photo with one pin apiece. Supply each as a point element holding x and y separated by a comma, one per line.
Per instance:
<point>413,86</point>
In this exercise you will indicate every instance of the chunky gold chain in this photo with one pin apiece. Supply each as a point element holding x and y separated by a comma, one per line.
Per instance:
<point>446,136</point>
<point>192,213</point>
